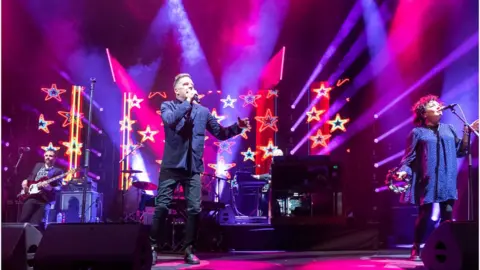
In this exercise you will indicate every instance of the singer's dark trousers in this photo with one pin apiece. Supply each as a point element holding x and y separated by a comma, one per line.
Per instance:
<point>425,214</point>
<point>192,186</point>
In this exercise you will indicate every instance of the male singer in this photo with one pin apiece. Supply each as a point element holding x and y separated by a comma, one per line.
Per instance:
<point>185,121</point>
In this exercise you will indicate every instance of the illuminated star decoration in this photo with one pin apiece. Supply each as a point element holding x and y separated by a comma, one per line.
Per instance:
<point>43,124</point>
<point>221,168</point>
<point>53,92</point>
<point>320,139</point>
<point>129,149</point>
<point>152,94</point>
<point>50,147</point>
<point>322,91</point>
<point>249,155</point>
<point>73,147</point>
<point>268,150</point>
<point>272,93</point>
<point>268,121</point>
<point>340,82</point>
<point>244,133</point>
<point>135,102</point>
<point>68,118</point>
<point>216,116</point>
<point>228,102</point>
<point>127,123</point>
<point>224,146</point>
<point>250,98</point>
<point>313,114</point>
<point>148,134</point>
<point>338,123</point>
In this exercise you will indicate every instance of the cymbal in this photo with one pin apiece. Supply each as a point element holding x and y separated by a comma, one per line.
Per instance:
<point>131,171</point>
<point>144,185</point>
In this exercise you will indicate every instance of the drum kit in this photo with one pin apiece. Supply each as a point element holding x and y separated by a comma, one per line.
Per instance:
<point>141,195</point>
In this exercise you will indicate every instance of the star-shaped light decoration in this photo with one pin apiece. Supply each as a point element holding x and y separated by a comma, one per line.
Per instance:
<point>152,94</point>
<point>250,98</point>
<point>268,121</point>
<point>73,147</point>
<point>249,155</point>
<point>244,133</point>
<point>272,93</point>
<point>338,123</point>
<point>68,118</point>
<point>50,147</point>
<point>148,134</point>
<point>53,92</point>
<point>319,139</point>
<point>228,102</point>
<point>322,91</point>
<point>43,124</point>
<point>221,168</point>
<point>268,150</point>
<point>135,102</point>
<point>218,117</point>
<point>314,114</point>
<point>129,148</point>
<point>127,123</point>
<point>224,146</point>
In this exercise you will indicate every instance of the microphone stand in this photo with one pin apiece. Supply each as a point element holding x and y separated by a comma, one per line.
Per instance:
<point>86,164</point>
<point>470,171</point>
<point>124,180</point>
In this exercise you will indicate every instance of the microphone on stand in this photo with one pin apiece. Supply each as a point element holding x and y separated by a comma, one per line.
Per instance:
<point>24,149</point>
<point>451,106</point>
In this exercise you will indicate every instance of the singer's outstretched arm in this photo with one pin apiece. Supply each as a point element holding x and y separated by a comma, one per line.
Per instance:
<point>219,132</point>
<point>171,116</point>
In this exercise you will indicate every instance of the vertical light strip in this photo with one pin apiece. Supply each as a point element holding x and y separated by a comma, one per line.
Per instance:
<point>126,139</point>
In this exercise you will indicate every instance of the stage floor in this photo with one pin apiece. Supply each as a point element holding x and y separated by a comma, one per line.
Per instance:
<point>325,260</point>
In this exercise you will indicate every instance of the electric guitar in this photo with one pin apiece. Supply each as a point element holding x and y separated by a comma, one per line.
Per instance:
<point>36,186</point>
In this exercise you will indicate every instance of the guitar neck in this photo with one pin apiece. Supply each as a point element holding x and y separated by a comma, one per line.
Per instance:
<point>57,177</point>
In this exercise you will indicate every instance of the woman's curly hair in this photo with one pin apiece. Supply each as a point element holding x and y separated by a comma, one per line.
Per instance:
<point>420,108</point>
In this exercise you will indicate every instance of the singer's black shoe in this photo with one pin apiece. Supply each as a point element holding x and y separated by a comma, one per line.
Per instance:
<point>415,253</point>
<point>190,258</point>
<point>154,256</point>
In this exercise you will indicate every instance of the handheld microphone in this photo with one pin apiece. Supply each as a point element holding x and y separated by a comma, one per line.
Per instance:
<point>449,106</point>
<point>196,98</point>
<point>24,149</point>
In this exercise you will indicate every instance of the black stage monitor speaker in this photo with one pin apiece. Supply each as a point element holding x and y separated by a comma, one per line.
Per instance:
<point>94,246</point>
<point>452,246</point>
<point>19,243</point>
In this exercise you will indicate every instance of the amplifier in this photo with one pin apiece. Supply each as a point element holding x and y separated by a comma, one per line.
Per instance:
<point>71,206</point>
<point>77,185</point>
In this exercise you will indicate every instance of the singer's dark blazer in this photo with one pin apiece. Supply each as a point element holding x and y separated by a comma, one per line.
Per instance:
<point>184,126</point>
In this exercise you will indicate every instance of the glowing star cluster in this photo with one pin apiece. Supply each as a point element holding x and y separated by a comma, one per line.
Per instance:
<point>68,118</point>
<point>53,92</point>
<point>43,124</point>
<point>268,121</point>
<point>272,93</point>
<point>314,114</point>
<point>268,150</point>
<point>126,124</point>
<point>322,91</point>
<point>221,168</point>
<point>218,117</point>
<point>249,155</point>
<point>319,139</point>
<point>148,134</point>
<point>338,123</point>
<point>73,147</point>
<point>50,147</point>
<point>224,146</point>
<point>228,102</point>
<point>135,102</point>
<point>250,99</point>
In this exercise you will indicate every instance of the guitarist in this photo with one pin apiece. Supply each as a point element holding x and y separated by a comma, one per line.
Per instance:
<point>36,208</point>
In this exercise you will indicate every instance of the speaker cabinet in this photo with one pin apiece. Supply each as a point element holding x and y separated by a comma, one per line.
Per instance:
<point>452,246</point>
<point>71,206</point>
<point>19,243</point>
<point>94,246</point>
